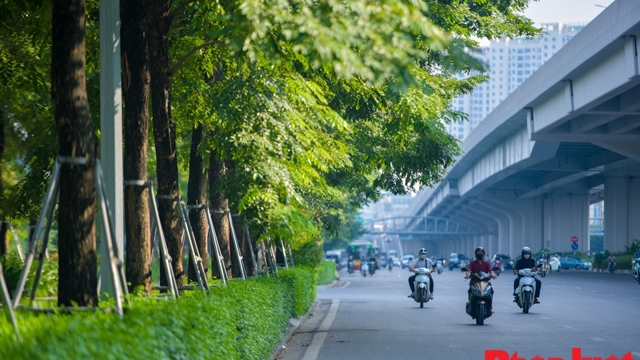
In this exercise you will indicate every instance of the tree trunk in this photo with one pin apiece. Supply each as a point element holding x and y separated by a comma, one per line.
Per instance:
<point>77,200</point>
<point>4,239</point>
<point>197,195</point>
<point>217,170</point>
<point>135,90</point>
<point>164,131</point>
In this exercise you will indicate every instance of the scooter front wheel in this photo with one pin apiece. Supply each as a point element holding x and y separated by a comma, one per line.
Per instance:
<point>480,315</point>
<point>526,303</point>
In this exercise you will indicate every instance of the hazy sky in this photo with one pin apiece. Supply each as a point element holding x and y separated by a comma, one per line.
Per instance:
<point>566,11</point>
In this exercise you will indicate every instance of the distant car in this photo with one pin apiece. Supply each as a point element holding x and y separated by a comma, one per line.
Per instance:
<point>407,260</point>
<point>554,263</point>
<point>507,262</point>
<point>455,260</point>
<point>572,262</point>
<point>396,261</point>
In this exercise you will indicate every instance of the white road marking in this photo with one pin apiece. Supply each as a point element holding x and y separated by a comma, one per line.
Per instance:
<point>569,327</point>
<point>546,318</point>
<point>597,339</point>
<point>318,339</point>
<point>345,285</point>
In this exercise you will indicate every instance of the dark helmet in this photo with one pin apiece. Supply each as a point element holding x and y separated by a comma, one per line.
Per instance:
<point>526,250</point>
<point>479,248</point>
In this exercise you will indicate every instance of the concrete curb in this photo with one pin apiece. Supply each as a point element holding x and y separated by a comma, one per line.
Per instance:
<point>294,325</point>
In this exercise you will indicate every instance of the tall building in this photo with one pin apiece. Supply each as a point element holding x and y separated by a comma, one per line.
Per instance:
<point>389,206</point>
<point>511,62</point>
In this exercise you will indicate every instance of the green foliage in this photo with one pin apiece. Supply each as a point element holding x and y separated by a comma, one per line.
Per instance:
<point>241,321</point>
<point>325,272</point>
<point>307,252</point>
<point>600,260</point>
<point>633,248</point>
<point>48,286</point>
<point>623,262</point>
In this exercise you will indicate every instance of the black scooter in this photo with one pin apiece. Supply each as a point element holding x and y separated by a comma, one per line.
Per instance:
<point>480,303</point>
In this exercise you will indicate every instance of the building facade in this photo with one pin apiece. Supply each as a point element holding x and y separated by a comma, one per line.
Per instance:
<point>511,62</point>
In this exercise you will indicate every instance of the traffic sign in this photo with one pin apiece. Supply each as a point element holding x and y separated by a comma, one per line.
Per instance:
<point>574,246</point>
<point>574,239</point>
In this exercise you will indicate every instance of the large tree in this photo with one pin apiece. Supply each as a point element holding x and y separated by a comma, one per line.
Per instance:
<point>135,90</point>
<point>77,199</point>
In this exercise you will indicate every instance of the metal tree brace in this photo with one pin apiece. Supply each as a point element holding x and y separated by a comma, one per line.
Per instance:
<point>6,303</point>
<point>45,220</point>
<point>157,236</point>
<point>15,239</point>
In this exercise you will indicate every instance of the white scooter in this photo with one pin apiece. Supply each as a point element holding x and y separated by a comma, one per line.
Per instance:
<point>526,289</point>
<point>421,286</point>
<point>364,268</point>
<point>635,266</point>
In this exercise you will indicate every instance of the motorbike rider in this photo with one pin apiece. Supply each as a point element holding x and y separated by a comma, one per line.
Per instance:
<point>526,262</point>
<point>636,257</point>
<point>479,265</point>
<point>422,262</point>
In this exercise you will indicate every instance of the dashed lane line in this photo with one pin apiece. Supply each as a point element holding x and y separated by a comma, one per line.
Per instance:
<point>345,285</point>
<point>318,339</point>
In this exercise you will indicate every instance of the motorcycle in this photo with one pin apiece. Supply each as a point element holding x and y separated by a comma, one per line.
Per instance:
<point>480,302</point>
<point>372,267</point>
<point>543,267</point>
<point>497,267</point>
<point>350,267</point>
<point>526,289</point>
<point>421,286</point>
<point>390,264</point>
<point>612,266</point>
<point>439,266</point>
<point>364,268</point>
<point>635,265</point>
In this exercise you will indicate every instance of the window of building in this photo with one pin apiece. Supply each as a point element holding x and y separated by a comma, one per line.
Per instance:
<point>519,58</point>
<point>519,72</point>
<point>553,46</point>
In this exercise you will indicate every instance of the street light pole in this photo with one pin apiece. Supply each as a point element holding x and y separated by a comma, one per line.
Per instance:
<point>111,131</point>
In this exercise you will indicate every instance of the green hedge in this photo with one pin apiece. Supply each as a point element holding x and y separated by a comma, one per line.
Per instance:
<point>244,320</point>
<point>623,262</point>
<point>325,272</point>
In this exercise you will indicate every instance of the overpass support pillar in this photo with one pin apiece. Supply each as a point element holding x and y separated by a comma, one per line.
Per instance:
<point>566,216</point>
<point>503,226</point>
<point>622,212</point>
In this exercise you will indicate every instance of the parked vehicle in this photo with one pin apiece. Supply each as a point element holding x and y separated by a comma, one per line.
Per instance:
<point>526,289</point>
<point>554,263</point>
<point>421,294</point>
<point>507,262</point>
<point>454,260</point>
<point>407,260</point>
<point>480,302</point>
<point>439,266</point>
<point>572,262</point>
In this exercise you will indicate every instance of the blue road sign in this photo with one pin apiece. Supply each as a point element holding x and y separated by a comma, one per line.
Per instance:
<point>574,246</point>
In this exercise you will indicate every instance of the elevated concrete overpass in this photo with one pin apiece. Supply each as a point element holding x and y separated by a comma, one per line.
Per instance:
<point>569,136</point>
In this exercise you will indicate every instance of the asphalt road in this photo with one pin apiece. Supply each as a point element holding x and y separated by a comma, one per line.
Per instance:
<point>371,318</point>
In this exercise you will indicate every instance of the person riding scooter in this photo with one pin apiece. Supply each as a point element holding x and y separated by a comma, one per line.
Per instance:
<point>525,262</point>
<point>477,266</point>
<point>422,262</point>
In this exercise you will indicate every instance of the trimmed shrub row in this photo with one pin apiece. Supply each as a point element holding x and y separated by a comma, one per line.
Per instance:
<point>244,320</point>
<point>325,272</point>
